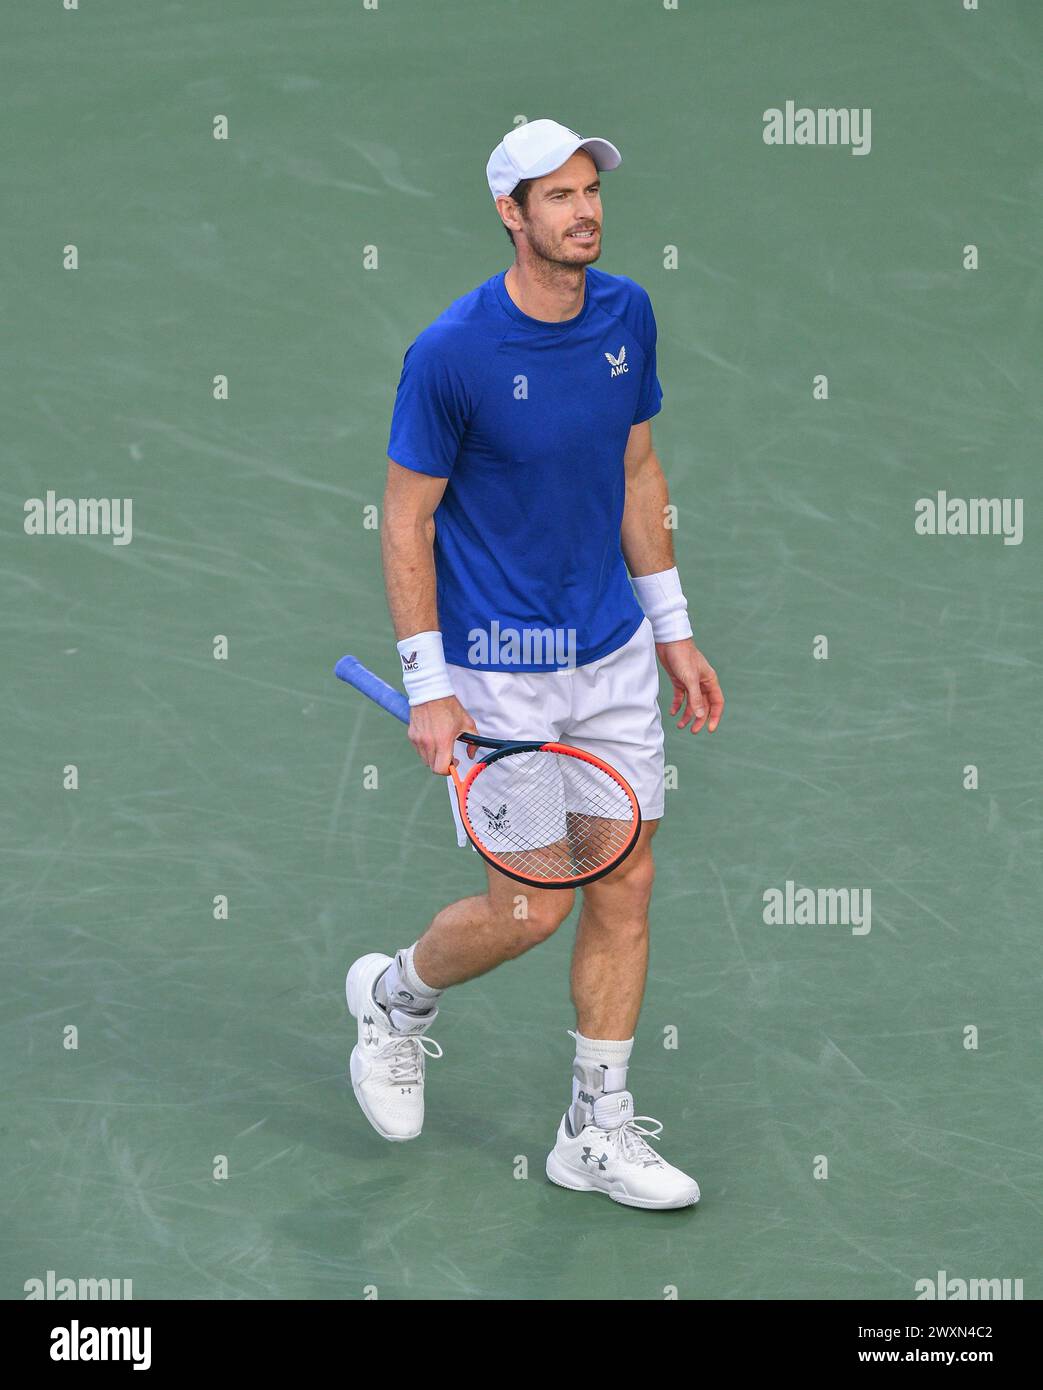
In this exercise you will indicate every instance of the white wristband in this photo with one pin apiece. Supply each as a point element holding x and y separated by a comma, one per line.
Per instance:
<point>665,605</point>
<point>424,672</point>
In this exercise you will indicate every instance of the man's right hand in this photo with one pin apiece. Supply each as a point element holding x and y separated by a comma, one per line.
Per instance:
<point>433,730</point>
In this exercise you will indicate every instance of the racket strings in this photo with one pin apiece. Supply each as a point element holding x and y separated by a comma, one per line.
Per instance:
<point>550,816</point>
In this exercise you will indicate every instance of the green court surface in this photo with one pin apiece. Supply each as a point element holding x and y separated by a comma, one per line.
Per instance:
<point>352,128</point>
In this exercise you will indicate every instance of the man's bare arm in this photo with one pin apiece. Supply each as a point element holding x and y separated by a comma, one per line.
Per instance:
<point>407,539</point>
<point>407,550</point>
<point>648,548</point>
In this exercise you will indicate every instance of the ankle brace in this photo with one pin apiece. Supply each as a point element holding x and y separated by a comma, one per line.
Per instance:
<point>400,987</point>
<point>599,1068</point>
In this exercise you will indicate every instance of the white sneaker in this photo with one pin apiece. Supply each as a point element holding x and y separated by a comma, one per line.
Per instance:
<point>612,1155</point>
<point>387,1062</point>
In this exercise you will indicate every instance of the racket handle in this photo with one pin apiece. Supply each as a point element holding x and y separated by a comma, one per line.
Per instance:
<point>350,669</point>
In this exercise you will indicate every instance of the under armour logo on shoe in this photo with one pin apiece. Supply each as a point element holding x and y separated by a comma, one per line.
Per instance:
<point>369,1035</point>
<point>589,1157</point>
<point>618,364</point>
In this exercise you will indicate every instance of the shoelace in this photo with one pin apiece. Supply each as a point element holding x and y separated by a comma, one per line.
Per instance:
<point>403,1058</point>
<point>633,1137</point>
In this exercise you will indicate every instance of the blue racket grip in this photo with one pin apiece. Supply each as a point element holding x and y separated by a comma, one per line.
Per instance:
<point>350,669</point>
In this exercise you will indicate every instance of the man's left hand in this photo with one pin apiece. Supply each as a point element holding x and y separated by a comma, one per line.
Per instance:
<point>696,689</point>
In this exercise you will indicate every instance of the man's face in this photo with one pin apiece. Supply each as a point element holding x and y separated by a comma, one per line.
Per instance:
<point>562,219</point>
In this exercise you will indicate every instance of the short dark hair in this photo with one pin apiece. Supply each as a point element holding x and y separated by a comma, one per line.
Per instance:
<point>520,194</point>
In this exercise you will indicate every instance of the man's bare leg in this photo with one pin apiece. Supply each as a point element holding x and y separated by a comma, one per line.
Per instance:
<point>601,1145</point>
<point>610,959</point>
<point>474,935</point>
<point>396,1001</point>
<point>609,965</point>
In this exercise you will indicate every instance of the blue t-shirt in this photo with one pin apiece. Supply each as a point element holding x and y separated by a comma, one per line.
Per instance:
<point>529,422</point>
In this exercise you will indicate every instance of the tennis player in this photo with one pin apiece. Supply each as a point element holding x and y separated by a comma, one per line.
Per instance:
<point>522,488</point>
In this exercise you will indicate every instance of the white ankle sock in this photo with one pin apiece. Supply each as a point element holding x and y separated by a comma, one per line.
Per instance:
<point>400,987</point>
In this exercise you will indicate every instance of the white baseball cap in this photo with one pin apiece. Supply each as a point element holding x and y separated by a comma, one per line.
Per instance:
<point>538,147</point>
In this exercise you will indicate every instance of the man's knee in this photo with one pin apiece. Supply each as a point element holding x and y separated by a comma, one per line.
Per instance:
<point>641,878</point>
<point>636,874</point>
<point>627,889</point>
<point>545,910</point>
<point>528,915</point>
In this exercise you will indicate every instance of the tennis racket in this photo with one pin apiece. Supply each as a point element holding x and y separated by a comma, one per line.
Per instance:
<point>546,814</point>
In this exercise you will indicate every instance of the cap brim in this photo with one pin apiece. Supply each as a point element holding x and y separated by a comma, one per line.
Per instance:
<point>602,152</point>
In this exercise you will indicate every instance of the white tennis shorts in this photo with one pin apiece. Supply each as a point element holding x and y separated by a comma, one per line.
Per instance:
<point>609,708</point>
